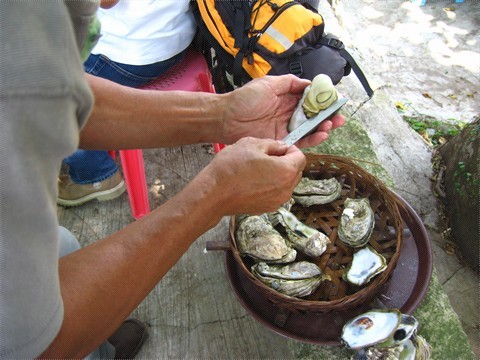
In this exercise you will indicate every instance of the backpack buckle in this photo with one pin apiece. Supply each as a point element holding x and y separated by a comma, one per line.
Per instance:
<point>296,68</point>
<point>335,43</point>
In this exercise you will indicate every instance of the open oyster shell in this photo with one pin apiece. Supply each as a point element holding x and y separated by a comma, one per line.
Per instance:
<point>366,264</point>
<point>385,334</point>
<point>356,223</point>
<point>309,241</point>
<point>310,192</point>
<point>370,328</point>
<point>379,328</point>
<point>299,279</point>
<point>257,238</point>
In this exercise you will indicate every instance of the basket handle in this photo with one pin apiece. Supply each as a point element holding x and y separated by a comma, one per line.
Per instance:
<point>218,245</point>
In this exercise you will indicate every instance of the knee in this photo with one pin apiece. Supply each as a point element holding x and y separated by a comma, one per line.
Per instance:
<point>68,242</point>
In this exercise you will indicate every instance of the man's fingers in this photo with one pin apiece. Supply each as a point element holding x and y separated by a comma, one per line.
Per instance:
<point>296,157</point>
<point>272,147</point>
<point>289,84</point>
<point>337,120</point>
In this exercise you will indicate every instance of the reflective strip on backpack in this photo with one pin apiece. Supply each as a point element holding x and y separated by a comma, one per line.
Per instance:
<point>278,37</point>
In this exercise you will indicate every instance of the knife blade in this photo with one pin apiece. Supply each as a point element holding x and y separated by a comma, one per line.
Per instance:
<point>308,126</point>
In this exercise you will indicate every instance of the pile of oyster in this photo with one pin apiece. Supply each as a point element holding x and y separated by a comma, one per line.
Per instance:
<point>385,334</point>
<point>272,241</point>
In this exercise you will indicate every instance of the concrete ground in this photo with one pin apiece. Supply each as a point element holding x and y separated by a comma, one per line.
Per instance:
<point>428,59</point>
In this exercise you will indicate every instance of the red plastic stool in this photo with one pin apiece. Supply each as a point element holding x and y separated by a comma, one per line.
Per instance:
<point>192,74</point>
<point>218,147</point>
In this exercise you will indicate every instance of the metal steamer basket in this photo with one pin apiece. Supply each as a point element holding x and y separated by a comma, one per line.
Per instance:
<point>336,294</point>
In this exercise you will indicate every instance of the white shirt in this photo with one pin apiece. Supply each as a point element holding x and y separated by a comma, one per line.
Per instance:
<point>141,32</point>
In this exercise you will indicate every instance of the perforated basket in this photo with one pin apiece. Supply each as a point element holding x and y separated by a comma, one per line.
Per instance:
<point>386,239</point>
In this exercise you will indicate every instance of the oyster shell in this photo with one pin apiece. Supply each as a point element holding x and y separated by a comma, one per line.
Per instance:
<point>366,264</point>
<point>423,350</point>
<point>370,328</point>
<point>299,279</point>
<point>415,348</point>
<point>309,241</point>
<point>256,237</point>
<point>311,192</point>
<point>295,271</point>
<point>386,334</point>
<point>316,97</point>
<point>407,327</point>
<point>356,223</point>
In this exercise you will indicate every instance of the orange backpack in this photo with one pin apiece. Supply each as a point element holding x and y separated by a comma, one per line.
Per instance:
<point>246,39</point>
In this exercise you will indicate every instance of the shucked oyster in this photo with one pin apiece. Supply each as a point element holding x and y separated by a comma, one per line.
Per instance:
<point>365,265</point>
<point>257,238</point>
<point>321,95</point>
<point>308,240</point>
<point>311,192</point>
<point>297,279</point>
<point>316,97</point>
<point>356,223</point>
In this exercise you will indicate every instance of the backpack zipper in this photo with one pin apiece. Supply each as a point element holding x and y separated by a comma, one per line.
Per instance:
<point>278,12</point>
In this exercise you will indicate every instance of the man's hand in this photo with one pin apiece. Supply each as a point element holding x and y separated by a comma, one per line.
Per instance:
<point>254,176</point>
<point>263,107</point>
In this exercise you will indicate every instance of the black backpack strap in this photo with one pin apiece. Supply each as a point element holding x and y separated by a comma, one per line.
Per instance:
<point>241,28</point>
<point>335,43</point>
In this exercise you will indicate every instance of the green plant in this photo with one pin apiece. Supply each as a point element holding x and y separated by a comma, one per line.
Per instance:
<point>464,177</point>
<point>433,131</point>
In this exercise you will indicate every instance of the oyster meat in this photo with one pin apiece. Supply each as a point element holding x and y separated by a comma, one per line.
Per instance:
<point>256,237</point>
<point>298,279</point>
<point>312,192</point>
<point>308,240</point>
<point>356,223</point>
<point>366,264</point>
<point>316,97</point>
<point>321,95</point>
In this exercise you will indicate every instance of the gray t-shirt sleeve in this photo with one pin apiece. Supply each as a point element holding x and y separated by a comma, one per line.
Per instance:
<point>44,100</point>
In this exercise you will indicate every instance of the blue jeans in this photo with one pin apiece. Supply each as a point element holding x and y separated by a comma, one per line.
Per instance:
<point>90,166</point>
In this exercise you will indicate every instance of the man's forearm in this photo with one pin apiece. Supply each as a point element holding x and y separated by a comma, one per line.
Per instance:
<point>112,276</point>
<point>126,118</point>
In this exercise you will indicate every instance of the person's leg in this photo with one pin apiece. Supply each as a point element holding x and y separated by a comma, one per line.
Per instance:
<point>130,336</point>
<point>90,166</point>
<point>94,174</point>
<point>70,244</point>
<point>128,75</point>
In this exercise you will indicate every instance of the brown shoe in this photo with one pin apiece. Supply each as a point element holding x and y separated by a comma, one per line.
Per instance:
<point>72,194</point>
<point>129,338</point>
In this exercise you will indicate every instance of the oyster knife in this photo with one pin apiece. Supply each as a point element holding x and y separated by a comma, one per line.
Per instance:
<point>309,125</point>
